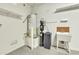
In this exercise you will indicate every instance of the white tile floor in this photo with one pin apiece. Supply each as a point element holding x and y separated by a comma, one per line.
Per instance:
<point>41,51</point>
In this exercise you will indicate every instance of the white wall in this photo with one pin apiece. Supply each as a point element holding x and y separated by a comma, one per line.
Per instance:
<point>12,30</point>
<point>46,11</point>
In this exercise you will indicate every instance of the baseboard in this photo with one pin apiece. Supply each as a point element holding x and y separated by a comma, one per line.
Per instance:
<point>16,47</point>
<point>75,49</point>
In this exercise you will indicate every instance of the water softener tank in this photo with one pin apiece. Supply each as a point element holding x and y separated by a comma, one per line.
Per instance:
<point>47,40</point>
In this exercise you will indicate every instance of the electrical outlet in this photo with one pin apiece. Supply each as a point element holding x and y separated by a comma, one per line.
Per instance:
<point>14,42</point>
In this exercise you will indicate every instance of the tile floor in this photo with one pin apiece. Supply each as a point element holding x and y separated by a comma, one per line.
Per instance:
<point>41,51</point>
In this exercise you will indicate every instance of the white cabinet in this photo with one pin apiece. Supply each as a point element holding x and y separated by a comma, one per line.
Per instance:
<point>36,42</point>
<point>32,41</point>
<point>66,37</point>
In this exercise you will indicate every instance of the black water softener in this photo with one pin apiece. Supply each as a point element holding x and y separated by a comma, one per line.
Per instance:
<point>41,33</point>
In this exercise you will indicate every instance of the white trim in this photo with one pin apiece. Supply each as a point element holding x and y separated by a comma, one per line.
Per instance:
<point>75,49</point>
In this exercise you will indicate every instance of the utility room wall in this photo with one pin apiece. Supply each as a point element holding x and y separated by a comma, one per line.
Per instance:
<point>12,30</point>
